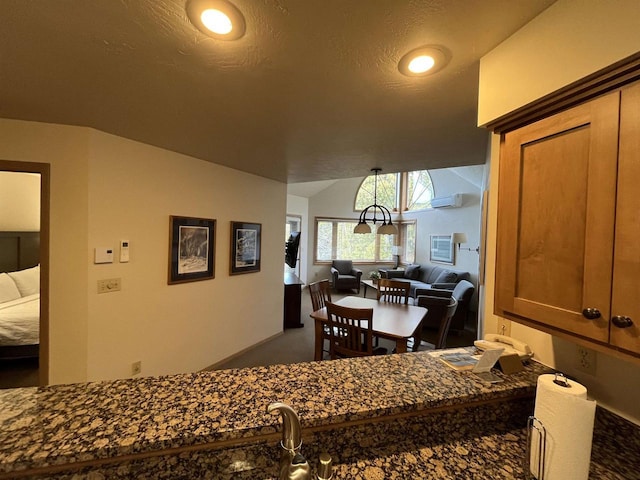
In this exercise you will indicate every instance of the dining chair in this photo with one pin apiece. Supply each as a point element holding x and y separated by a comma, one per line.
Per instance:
<point>393,291</point>
<point>320,292</point>
<point>350,332</point>
<point>436,323</point>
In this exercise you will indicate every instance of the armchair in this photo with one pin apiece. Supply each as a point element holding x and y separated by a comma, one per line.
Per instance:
<point>344,276</point>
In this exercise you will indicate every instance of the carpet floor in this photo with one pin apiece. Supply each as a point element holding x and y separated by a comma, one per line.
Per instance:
<point>297,344</point>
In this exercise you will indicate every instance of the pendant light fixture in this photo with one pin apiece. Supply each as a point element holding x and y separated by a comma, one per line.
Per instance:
<point>387,227</point>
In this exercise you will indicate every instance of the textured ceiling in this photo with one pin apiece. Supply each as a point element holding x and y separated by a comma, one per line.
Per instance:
<point>311,92</point>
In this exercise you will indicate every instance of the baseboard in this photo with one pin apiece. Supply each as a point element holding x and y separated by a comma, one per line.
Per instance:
<point>241,352</point>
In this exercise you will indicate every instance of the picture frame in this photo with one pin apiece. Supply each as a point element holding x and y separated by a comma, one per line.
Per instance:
<point>245,248</point>
<point>442,250</point>
<point>191,249</point>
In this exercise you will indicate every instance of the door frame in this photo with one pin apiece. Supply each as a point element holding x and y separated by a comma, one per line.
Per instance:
<point>45,178</point>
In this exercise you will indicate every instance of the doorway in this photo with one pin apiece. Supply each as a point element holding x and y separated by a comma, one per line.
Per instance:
<point>27,364</point>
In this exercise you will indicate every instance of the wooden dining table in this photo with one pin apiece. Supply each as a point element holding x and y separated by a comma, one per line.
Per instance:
<point>392,321</point>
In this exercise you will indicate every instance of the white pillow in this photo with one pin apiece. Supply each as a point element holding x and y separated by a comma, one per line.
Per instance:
<point>8,289</point>
<point>27,281</point>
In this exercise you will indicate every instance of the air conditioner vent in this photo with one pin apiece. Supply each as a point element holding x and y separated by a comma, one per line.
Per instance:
<point>447,202</point>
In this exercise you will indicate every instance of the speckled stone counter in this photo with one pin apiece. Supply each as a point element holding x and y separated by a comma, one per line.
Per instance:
<point>378,414</point>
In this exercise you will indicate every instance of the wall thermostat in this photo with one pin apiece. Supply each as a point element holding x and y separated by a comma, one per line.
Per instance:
<point>103,255</point>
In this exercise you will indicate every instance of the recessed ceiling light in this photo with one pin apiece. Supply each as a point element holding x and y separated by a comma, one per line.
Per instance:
<point>422,61</point>
<point>216,18</point>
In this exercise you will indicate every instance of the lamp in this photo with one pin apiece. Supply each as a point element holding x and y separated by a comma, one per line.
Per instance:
<point>459,238</point>
<point>387,227</point>
<point>462,238</point>
<point>425,60</point>
<point>397,251</point>
<point>219,19</point>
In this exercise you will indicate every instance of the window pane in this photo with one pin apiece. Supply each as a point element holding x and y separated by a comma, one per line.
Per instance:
<point>352,246</point>
<point>386,242</point>
<point>409,242</point>
<point>324,240</point>
<point>387,191</point>
<point>419,190</point>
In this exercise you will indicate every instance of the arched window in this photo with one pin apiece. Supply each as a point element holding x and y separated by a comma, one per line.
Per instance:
<point>387,191</point>
<point>415,187</point>
<point>419,190</point>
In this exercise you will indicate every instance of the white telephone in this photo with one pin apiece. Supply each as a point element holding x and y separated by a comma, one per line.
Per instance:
<point>511,345</point>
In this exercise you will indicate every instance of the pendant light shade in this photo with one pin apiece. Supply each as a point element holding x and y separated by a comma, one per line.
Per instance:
<point>387,227</point>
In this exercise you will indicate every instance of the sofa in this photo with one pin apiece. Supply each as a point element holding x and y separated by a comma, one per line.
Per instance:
<point>427,276</point>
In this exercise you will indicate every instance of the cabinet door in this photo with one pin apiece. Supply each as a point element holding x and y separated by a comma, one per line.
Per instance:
<point>556,219</point>
<point>626,269</point>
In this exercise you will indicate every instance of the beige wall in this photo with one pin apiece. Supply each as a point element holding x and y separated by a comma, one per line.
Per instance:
<point>578,38</point>
<point>104,189</point>
<point>566,42</point>
<point>66,149</point>
<point>19,202</point>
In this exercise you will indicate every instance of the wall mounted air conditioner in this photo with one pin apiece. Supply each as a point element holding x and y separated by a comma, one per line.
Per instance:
<point>447,202</point>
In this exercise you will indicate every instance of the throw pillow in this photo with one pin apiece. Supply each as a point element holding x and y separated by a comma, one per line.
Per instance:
<point>447,276</point>
<point>27,281</point>
<point>8,289</point>
<point>412,272</point>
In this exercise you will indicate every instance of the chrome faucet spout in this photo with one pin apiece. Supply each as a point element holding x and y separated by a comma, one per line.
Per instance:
<point>291,430</point>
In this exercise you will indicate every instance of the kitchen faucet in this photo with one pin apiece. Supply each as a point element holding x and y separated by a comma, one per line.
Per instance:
<point>293,465</point>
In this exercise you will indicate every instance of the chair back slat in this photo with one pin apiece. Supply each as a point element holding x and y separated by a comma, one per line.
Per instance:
<point>350,331</point>
<point>320,292</point>
<point>393,291</point>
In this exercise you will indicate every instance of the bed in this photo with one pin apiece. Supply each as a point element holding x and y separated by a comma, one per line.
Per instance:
<point>19,294</point>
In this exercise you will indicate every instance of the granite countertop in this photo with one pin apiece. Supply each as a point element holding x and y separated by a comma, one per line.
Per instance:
<point>65,424</point>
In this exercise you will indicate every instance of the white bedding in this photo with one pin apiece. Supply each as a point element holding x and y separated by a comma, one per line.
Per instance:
<point>20,321</point>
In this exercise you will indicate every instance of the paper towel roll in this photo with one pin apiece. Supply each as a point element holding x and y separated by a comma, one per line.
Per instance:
<point>567,417</point>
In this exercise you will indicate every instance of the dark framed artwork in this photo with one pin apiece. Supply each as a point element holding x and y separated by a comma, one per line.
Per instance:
<point>191,249</point>
<point>245,248</point>
<point>442,249</point>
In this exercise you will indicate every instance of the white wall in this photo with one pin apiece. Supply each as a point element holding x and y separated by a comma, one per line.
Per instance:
<point>578,37</point>
<point>338,201</point>
<point>105,188</point>
<point>19,202</point>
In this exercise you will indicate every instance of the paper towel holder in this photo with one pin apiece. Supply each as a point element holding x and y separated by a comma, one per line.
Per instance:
<point>534,424</point>
<point>561,380</point>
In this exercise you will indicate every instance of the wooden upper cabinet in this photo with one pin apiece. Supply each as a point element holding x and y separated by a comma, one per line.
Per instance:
<point>556,214</point>
<point>625,306</point>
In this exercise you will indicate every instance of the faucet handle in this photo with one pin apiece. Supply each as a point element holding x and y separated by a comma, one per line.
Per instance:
<point>325,467</point>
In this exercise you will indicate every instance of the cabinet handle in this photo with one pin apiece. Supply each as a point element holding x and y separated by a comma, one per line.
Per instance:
<point>591,313</point>
<point>621,321</point>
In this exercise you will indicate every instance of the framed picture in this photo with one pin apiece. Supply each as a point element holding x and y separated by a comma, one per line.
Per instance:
<point>441,249</point>
<point>245,248</point>
<point>191,249</point>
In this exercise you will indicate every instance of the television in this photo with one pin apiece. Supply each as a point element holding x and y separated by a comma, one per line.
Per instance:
<point>291,249</point>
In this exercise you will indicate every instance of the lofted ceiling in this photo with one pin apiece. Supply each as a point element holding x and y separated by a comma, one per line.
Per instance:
<point>311,91</point>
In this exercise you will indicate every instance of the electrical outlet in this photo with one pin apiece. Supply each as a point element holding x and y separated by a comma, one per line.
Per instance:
<point>109,285</point>
<point>136,368</point>
<point>586,360</point>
